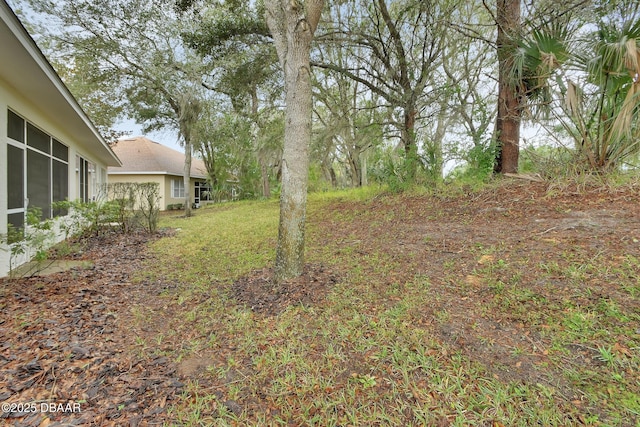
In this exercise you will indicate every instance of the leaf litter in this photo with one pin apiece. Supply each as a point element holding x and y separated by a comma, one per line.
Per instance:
<point>66,340</point>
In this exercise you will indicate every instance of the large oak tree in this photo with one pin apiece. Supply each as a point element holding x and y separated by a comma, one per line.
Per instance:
<point>292,24</point>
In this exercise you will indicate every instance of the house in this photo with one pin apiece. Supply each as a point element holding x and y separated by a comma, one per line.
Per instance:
<point>49,149</point>
<point>144,160</point>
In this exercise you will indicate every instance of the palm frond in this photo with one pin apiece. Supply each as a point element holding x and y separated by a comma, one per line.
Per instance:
<point>573,99</point>
<point>632,57</point>
<point>622,127</point>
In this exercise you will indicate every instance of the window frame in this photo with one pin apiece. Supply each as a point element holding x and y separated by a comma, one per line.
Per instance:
<point>177,187</point>
<point>52,152</point>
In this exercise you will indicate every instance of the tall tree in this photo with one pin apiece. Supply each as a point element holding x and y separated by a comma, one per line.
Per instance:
<point>234,38</point>
<point>252,82</point>
<point>401,45</point>
<point>101,103</point>
<point>348,118</point>
<point>135,46</point>
<point>527,59</point>
<point>292,24</point>
<point>469,64</point>
<point>234,154</point>
<point>509,91</point>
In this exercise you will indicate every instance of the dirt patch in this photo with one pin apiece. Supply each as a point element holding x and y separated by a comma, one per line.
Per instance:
<point>520,236</point>
<point>259,292</point>
<point>194,366</point>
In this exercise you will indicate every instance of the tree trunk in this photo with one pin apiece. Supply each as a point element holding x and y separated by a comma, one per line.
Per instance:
<point>334,178</point>
<point>408,135</point>
<point>354,166</point>
<point>436,151</point>
<point>364,180</point>
<point>509,108</point>
<point>188,109</point>
<point>292,30</point>
<point>187,177</point>
<point>264,178</point>
<point>210,163</point>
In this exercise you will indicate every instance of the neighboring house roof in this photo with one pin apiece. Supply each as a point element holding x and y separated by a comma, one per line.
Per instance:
<point>141,155</point>
<point>25,68</point>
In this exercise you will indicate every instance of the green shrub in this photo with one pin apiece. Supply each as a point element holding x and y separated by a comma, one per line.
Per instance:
<point>34,239</point>
<point>149,204</point>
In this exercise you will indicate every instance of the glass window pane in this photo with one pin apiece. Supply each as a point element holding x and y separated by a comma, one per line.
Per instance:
<point>38,139</point>
<point>15,126</point>
<point>15,177</point>
<point>60,178</point>
<point>60,150</point>
<point>16,230</point>
<point>178,188</point>
<point>38,178</point>
<point>84,180</point>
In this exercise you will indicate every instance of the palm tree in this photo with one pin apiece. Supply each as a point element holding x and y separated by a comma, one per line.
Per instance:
<point>536,61</point>
<point>529,53</point>
<point>603,105</point>
<point>508,22</point>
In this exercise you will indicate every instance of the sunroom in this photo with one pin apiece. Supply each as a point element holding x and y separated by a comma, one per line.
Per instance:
<point>49,149</point>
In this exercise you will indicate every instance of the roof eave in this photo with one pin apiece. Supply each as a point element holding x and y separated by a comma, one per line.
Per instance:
<point>54,97</point>
<point>111,172</point>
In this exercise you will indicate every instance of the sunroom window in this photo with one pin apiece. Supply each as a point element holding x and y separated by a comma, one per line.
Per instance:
<point>37,172</point>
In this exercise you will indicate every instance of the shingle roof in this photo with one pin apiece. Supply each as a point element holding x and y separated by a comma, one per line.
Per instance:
<point>141,155</point>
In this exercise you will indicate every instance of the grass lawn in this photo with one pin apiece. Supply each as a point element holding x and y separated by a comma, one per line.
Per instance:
<point>516,305</point>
